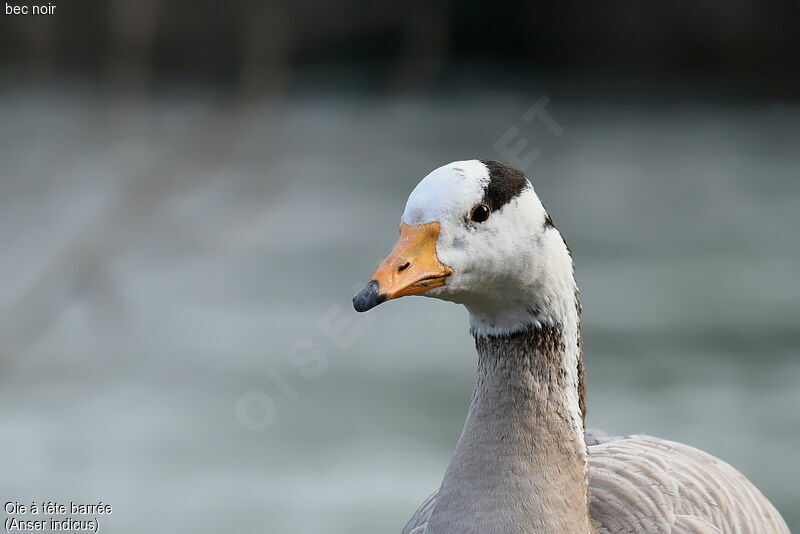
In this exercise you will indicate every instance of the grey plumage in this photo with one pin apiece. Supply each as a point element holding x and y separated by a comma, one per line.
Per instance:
<point>644,484</point>
<point>523,463</point>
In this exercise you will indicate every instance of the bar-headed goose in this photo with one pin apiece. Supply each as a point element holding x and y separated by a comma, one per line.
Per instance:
<point>475,233</point>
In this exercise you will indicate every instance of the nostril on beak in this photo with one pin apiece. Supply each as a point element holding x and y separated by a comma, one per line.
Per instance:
<point>403,267</point>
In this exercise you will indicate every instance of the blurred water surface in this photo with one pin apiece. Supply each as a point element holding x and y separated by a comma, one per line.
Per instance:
<point>162,259</point>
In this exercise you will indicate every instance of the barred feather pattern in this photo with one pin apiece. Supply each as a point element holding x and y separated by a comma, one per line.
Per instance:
<point>641,484</point>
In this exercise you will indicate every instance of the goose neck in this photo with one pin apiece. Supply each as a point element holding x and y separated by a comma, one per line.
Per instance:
<point>521,463</point>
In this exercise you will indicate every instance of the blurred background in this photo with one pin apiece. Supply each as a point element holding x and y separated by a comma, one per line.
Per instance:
<point>191,192</point>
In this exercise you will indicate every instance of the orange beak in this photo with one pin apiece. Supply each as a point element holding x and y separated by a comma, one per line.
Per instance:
<point>412,267</point>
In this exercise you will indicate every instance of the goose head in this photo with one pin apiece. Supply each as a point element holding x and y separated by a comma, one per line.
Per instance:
<point>475,233</point>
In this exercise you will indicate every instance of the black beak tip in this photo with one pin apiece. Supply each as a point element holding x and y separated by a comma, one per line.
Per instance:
<point>369,297</point>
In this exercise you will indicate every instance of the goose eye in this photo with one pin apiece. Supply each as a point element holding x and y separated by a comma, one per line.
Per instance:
<point>480,213</point>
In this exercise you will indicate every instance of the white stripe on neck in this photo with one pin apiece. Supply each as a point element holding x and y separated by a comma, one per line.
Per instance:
<point>548,301</point>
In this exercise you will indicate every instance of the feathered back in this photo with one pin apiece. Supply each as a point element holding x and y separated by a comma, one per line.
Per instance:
<point>642,484</point>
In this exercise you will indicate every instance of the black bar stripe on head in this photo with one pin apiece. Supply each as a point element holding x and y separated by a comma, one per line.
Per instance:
<point>505,183</point>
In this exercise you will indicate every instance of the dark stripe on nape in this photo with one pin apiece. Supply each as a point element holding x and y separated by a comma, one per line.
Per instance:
<point>505,184</point>
<point>548,221</point>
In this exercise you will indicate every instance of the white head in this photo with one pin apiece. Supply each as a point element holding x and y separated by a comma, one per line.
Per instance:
<point>474,232</point>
